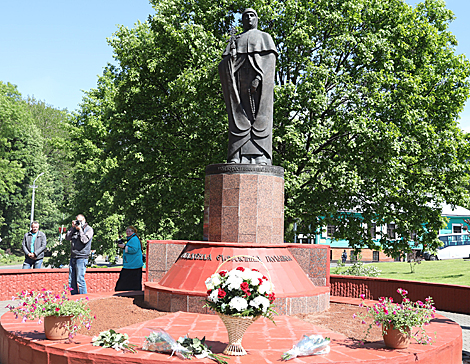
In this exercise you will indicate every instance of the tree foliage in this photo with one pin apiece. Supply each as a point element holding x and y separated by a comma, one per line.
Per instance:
<point>367,99</point>
<point>27,131</point>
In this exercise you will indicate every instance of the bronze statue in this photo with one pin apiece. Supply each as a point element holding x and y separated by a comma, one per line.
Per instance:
<point>247,75</point>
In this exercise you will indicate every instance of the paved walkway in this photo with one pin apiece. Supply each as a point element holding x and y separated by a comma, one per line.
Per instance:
<point>464,322</point>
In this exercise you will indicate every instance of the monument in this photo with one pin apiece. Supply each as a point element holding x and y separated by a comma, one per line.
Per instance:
<point>243,201</point>
<point>247,76</point>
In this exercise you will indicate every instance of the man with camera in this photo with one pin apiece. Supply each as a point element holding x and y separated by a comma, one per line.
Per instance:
<point>80,235</point>
<point>34,245</point>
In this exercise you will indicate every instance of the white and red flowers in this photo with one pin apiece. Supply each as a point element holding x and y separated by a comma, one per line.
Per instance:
<point>240,292</point>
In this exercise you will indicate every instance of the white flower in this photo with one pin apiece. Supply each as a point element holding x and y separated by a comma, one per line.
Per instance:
<point>213,281</point>
<point>253,276</point>
<point>214,296</point>
<point>117,346</point>
<point>260,301</point>
<point>238,303</point>
<point>235,273</point>
<point>265,287</point>
<point>233,282</point>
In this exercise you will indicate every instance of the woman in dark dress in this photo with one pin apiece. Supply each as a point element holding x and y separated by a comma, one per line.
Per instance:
<point>130,278</point>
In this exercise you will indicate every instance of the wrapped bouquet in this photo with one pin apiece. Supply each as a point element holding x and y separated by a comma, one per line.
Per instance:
<point>185,347</point>
<point>308,345</point>
<point>160,341</point>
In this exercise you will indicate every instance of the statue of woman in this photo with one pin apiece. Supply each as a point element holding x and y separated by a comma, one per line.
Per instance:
<point>247,75</point>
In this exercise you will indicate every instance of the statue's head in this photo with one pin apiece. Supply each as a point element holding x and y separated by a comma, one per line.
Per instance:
<point>249,19</point>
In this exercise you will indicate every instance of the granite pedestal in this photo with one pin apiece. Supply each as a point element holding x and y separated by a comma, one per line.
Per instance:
<point>243,218</point>
<point>244,203</point>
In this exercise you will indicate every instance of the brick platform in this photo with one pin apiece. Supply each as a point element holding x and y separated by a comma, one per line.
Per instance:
<point>25,343</point>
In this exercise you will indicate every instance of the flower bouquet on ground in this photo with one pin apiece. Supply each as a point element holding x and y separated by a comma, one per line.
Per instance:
<point>115,340</point>
<point>199,349</point>
<point>185,348</point>
<point>404,317</point>
<point>308,345</point>
<point>43,304</point>
<point>239,297</point>
<point>160,341</point>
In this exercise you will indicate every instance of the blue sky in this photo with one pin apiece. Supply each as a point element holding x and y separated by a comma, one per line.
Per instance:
<point>54,49</point>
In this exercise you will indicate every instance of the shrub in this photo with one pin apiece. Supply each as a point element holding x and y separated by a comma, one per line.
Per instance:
<point>357,269</point>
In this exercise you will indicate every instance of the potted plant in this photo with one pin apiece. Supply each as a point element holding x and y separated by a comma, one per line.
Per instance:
<point>239,297</point>
<point>63,317</point>
<point>399,320</point>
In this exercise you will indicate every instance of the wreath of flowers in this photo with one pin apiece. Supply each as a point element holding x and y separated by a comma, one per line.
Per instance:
<point>240,292</point>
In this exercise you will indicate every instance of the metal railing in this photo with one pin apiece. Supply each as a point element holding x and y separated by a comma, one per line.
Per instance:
<point>455,239</point>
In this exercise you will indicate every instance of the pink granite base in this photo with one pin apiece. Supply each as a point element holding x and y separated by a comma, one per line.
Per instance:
<point>164,299</point>
<point>245,207</point>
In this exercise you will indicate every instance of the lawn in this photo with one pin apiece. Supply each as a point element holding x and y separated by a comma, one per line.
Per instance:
<point>452,271</point>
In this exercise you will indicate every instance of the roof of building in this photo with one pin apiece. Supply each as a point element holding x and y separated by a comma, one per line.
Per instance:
<point>457,211</point>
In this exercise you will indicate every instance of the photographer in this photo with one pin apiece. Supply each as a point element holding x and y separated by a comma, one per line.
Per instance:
<point>80,236</point>
<point>130,278</point>
<point>34,245</point>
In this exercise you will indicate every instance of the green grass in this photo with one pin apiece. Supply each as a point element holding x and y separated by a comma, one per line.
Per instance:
<point>452,271</point>
<point>11,260</point>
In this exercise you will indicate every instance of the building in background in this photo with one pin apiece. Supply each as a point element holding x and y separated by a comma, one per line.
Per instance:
<point>455,235</point>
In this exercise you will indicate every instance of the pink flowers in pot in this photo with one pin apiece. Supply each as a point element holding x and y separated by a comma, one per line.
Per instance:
<point>408,317</point>
<point>38,304</point>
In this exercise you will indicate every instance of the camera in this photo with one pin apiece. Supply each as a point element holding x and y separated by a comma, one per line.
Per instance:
<point>120,241</point>
<point>77,223</point>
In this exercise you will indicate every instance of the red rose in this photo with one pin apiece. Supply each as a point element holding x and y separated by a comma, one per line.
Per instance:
<point>271,297</point>
<point>209,292</point>
<point>221,293</point>
<point>241,269</point>
<point>222,273</point>
<point>244,286</point>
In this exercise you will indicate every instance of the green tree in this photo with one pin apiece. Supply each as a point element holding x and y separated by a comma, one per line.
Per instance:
<point>21,150</point>
<point>26,150</point>
<point>11,170</point>
<point>57,188</point>
<point>367,98</point>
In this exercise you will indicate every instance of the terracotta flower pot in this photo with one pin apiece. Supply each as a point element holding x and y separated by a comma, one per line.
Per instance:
<point>55,327</point>
<point>395,339</point>
<point>236,327</point>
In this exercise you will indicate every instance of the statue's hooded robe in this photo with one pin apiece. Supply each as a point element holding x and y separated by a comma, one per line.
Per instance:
<point>251,54</point>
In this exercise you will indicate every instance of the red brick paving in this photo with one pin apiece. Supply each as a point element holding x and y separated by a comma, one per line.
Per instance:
<point>264,342</point>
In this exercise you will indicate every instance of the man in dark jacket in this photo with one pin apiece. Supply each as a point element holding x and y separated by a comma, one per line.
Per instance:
<point>80,236</point>
<point>34,245</point>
